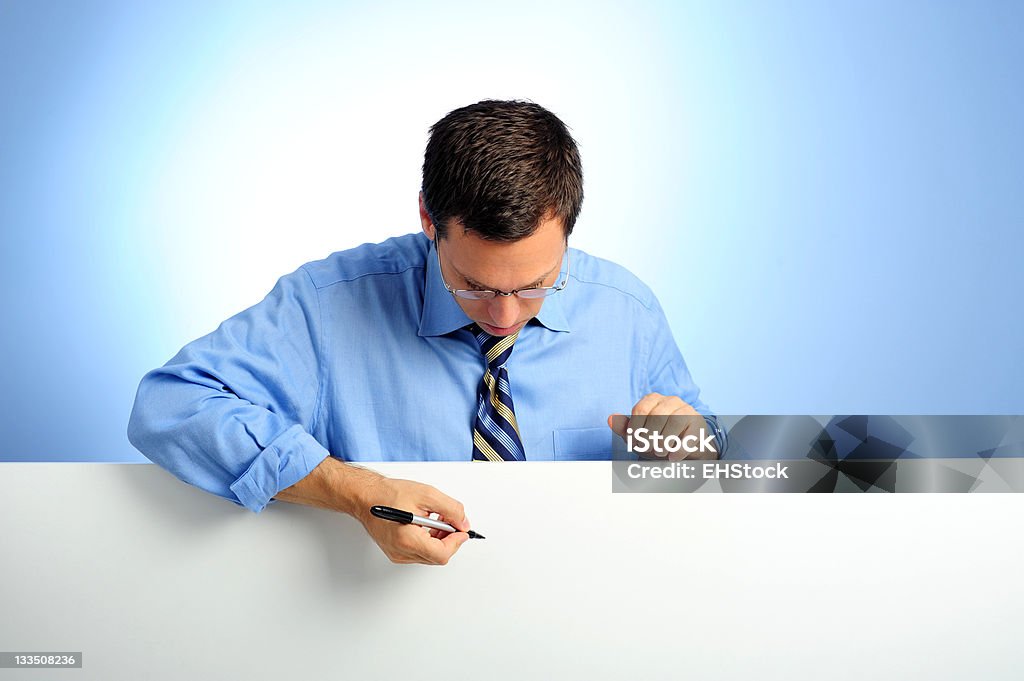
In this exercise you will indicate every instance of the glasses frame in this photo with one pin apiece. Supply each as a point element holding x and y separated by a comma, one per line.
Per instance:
<point>482,294</point>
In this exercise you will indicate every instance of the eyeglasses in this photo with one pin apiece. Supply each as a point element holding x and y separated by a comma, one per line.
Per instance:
<point>488,294</point>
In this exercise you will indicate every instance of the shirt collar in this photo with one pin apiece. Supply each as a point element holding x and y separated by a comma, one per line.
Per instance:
<point>442,315</point>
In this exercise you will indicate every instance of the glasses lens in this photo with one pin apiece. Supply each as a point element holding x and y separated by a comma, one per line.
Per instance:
<point>532,293</point>
<point>475,295</point>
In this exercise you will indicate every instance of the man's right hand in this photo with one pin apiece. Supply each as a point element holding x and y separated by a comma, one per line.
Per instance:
<point>411,543</point>
<point>342,487</point>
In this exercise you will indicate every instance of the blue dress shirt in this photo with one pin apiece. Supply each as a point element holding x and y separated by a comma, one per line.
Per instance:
<point>365,356</point>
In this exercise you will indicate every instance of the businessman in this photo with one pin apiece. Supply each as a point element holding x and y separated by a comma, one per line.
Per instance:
<point>483,337</point>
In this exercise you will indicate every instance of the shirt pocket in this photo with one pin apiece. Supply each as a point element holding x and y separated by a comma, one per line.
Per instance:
<point>583,444</point>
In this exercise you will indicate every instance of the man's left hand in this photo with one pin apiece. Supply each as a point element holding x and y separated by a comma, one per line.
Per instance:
<point>667,415</point>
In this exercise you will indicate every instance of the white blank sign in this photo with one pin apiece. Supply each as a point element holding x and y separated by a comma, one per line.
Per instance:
<point>150,578</point>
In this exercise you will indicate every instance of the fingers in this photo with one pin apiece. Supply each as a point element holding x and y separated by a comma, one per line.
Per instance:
<point>647,405</point>
<point>450,510</point>
<point>438,550</point>
<point>453,541</point>
<point>412,543</point>
<point>672,420</point>
<point>695,425</point>
<point>618,423</point>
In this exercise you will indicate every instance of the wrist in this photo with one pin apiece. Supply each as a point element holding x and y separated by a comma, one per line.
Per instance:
<point>338,486</point>
<point>355,489</point>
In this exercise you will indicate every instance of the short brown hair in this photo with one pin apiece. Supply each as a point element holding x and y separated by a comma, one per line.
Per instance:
<point>499,168</point>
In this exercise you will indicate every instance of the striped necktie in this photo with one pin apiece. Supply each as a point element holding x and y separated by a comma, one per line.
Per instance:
<point>496,433</point>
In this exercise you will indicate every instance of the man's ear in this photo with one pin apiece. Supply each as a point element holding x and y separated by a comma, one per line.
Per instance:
<point>425,221</point>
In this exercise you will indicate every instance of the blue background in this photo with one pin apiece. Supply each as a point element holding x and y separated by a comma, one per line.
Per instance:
<point>826,197</point>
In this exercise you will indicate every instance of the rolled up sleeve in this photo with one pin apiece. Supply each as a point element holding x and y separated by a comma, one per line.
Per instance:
<point>287,460</point>
<point>232,412</point>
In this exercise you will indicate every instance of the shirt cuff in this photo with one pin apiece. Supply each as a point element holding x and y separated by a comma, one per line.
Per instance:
<point>289,458</point>
<point>720,435</point>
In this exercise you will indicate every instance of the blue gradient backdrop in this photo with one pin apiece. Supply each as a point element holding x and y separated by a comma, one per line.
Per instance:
<point>826,196</point>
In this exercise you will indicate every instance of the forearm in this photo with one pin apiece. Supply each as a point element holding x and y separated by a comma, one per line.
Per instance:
<point>335,486</point>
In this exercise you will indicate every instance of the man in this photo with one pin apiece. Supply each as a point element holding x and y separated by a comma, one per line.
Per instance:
<point>484,337</point>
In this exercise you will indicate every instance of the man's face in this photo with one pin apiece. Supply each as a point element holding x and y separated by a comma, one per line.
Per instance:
<point>469,262</point>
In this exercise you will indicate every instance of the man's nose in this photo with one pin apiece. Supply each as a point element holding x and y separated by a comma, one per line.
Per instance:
<point>504,310</point>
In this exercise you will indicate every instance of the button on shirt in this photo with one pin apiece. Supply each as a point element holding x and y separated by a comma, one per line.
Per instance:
<point>366,357</point>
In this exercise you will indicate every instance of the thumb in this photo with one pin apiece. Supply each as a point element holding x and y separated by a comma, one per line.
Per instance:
<point>618,423</point>
<point>450,510</point>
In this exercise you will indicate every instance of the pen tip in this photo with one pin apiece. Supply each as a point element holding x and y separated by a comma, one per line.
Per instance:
<point>475,535</point>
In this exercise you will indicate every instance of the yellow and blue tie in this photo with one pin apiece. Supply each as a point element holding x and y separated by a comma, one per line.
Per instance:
<point>496,433</point>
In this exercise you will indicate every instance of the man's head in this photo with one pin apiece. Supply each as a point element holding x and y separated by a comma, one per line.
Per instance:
<point>498,168</point>
<point>502,187</point>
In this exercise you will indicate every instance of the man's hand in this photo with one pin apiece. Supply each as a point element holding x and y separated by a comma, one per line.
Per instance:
<point>338,486</point>
<point>411,543</point>
<point>667,415</point>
